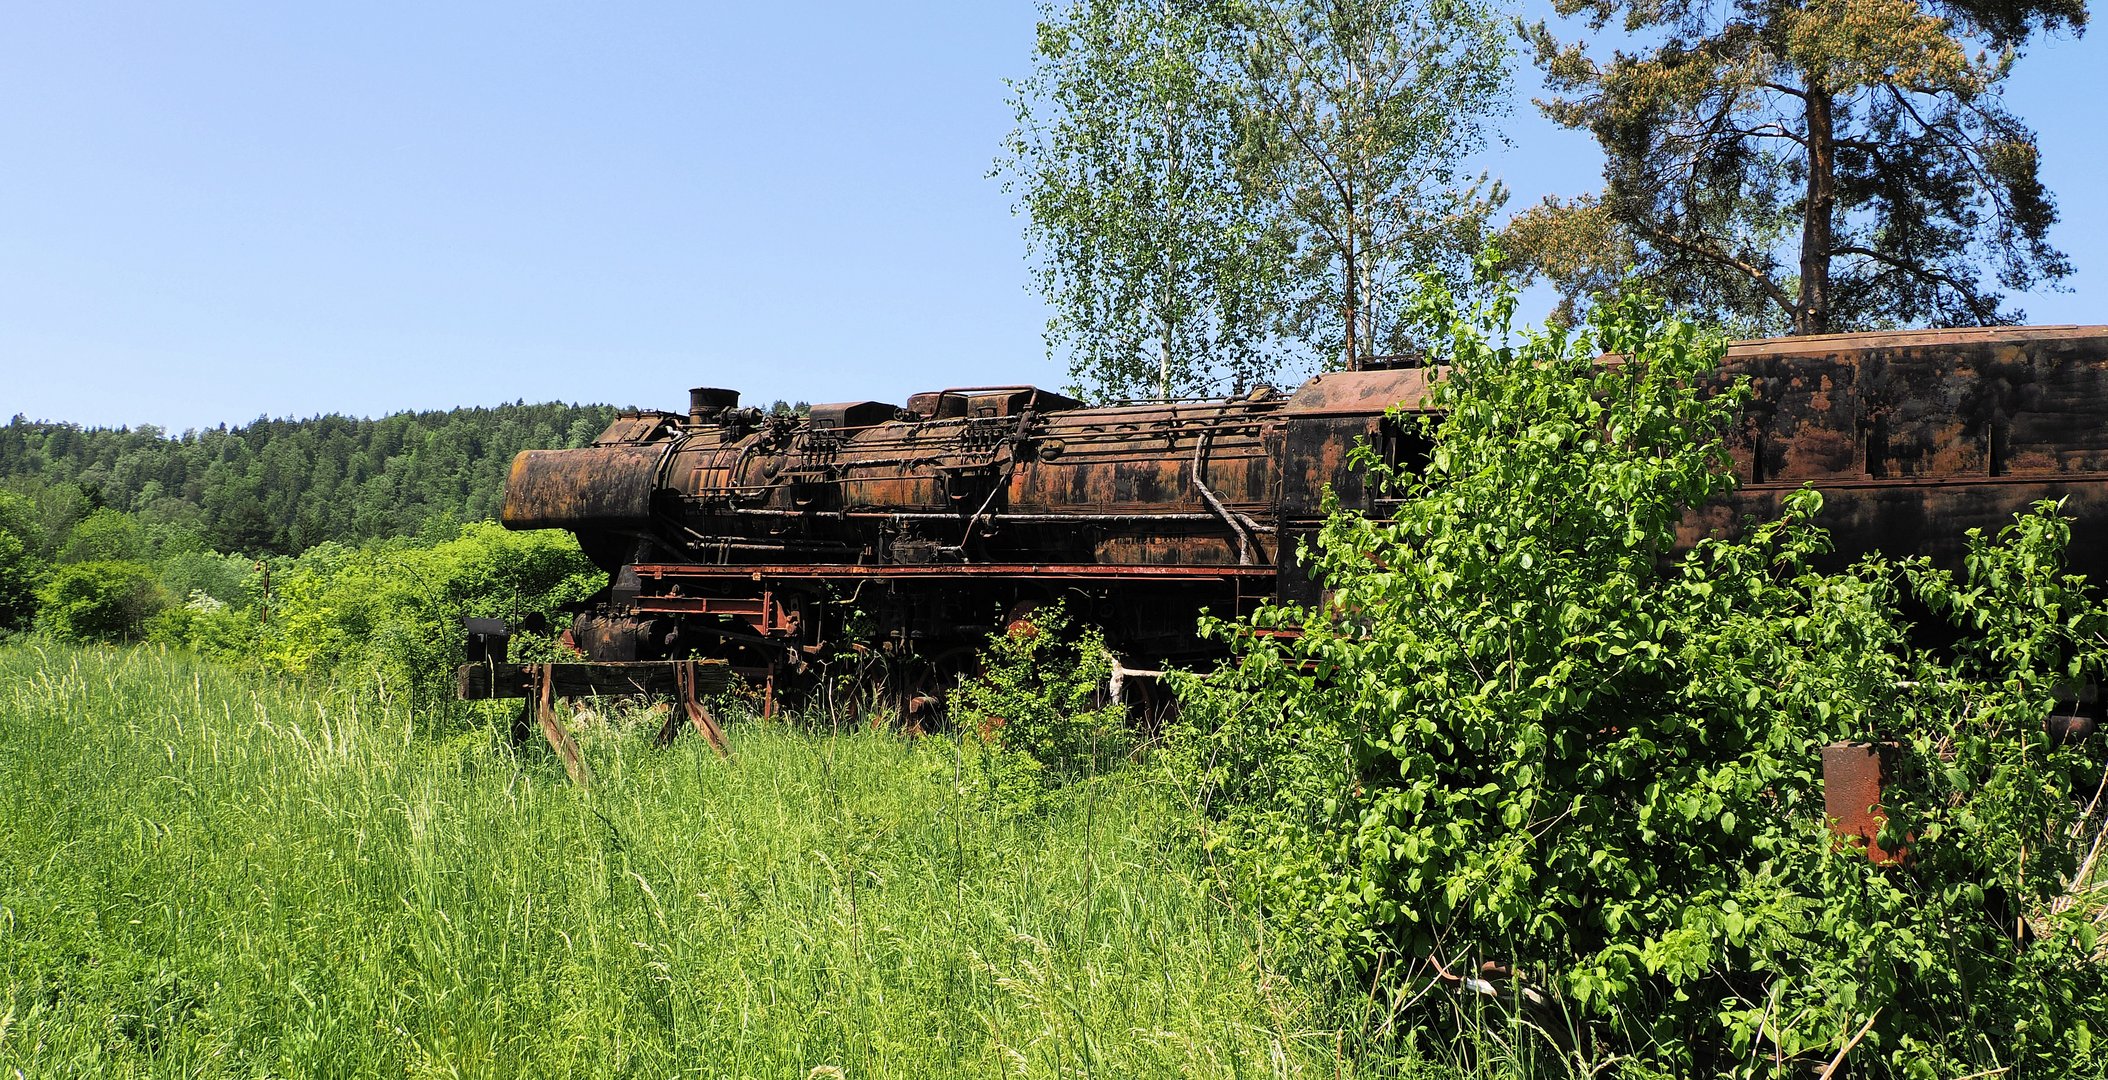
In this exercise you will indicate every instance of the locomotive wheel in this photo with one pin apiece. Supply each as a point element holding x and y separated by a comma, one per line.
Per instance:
<point>1018,621</point>
<point>924,683</point>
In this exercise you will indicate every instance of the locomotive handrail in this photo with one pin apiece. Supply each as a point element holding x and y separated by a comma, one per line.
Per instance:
<point>1009,443</point>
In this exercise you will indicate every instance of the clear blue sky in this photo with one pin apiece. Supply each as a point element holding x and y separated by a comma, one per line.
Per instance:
<point>215,211</point>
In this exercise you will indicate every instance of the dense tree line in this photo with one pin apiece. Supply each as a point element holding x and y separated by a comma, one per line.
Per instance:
<point>282,486</point>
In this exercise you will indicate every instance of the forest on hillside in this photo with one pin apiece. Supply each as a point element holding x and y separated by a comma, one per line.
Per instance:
<point>280,486</point>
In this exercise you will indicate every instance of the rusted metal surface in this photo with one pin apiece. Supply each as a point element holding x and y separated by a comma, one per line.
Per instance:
<point>1915,437</point>
<point>632,428</point>
<point>1853,775</point>
<point>543,678</point>
<point>598,487</point>
<point>690,683</point>
<point>1361,393</point>
<point>541,685</point>
<point>755,539</point>
<point>850,414</point>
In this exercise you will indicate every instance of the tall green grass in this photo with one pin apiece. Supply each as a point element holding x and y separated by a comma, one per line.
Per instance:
<point>206,875</point>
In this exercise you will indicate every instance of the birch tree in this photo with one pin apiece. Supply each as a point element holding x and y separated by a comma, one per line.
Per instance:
<point>1366,111</point>
<point>1217,191</point>
<point>1161,263</point>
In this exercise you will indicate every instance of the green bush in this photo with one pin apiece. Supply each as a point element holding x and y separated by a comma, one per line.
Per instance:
<point>206,625</point>
<point>21,569</point>
<point>106,536</point>
<point>99,601</point>
<point>229,579</point>
<point>1037,701</point>
<point>1537,784</point>
<point>387,616</point>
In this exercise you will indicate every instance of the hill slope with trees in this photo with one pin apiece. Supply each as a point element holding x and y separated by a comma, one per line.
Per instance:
<point>282,486</point>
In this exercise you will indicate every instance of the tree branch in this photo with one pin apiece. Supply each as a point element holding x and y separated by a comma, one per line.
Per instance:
<point>1708,251</point>
<point>1967,292</point>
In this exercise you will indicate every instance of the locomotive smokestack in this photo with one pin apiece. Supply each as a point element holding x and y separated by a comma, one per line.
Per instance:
<point>707,403</point>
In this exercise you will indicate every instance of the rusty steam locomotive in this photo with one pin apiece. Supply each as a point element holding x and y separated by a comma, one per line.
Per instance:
<point>876,530</point>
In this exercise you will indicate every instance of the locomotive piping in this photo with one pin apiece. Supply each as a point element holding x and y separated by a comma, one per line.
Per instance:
<point>1200,467</point>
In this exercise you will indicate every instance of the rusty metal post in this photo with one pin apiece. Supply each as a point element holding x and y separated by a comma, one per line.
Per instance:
<point>671,729</point>
<point>704,723</point>
<point>522,722</point>
<point>559,739</point>
<point>1853,775</point>
<point>690,707</point>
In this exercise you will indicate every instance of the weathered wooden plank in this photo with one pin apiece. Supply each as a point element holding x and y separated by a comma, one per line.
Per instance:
<point>486,682</point>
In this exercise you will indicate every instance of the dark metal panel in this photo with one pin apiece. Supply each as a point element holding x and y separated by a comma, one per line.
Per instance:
<point>1926,517</point>
<point>638,427</point>
<point>1314,454</point>
<point>852,414</point>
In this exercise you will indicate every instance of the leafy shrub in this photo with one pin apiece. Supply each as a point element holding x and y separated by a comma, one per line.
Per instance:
<point>229,579</point>
<point>99,601</point>
<point>1037,701</point>
<point>388,615</point>
<point>21,568</point>
<point>106,535</point>
<point>1521,754</point>
<point>205,624</point>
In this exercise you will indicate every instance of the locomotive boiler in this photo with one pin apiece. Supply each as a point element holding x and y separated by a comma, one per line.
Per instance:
<point>902,534</point>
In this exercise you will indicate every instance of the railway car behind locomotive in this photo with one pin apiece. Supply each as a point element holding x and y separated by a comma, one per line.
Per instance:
<point>908,532</point>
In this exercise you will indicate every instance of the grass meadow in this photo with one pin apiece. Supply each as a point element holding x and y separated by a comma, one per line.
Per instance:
<point>205,874</point>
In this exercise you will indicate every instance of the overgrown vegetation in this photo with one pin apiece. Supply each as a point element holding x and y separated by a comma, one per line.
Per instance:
<point>1528,780</point>
<point>1037,708</point>
<point>204,875</point>
<point>387,616</point>
<point>383,616</point>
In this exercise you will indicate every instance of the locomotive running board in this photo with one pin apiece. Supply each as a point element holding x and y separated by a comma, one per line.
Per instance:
<point>1171,575</point>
